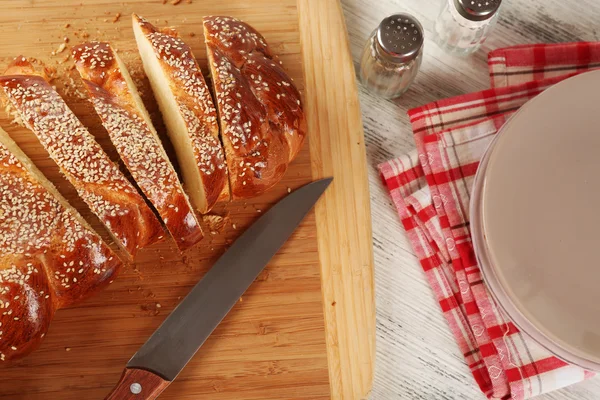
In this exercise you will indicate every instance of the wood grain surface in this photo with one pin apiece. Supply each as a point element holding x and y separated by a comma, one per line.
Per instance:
<point>338,149</point>
<point>417,357</point>
<point>276,342</point>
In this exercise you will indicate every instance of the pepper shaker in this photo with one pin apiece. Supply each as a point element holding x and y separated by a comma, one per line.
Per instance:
<point>463,25</point>
<point>392,56</point>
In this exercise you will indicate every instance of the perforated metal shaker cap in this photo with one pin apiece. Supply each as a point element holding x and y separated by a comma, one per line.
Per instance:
<point>477,10</point>
<point>400,36</point>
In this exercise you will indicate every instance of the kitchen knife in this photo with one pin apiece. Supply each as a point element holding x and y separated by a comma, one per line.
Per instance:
<point>158,362</point>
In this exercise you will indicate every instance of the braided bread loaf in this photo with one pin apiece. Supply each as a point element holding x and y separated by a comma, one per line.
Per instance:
<point>124,116</point>
<point>262,120</point>
<point>188,112</point>
<point>50,257</point>
<point>260,110</point>
<point>80,158</point>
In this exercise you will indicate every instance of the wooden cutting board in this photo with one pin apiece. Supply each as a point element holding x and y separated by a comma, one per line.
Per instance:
<point>305,329</point>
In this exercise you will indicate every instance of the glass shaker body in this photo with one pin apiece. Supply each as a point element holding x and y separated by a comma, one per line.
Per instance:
<point>460,32</point>
<point>392,56</point>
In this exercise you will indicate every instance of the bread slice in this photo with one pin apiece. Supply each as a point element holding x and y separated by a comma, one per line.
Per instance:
<point>80,158</point>
<point>262,121</point>
<point>125,118</point>
<point>188,112</point>
<point>49,256</point>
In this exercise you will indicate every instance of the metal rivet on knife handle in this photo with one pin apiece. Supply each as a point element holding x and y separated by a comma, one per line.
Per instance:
<point>135,388</point>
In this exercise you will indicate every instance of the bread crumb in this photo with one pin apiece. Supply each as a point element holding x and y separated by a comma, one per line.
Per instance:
<point>289,190</point>
<point>234,226</point>
<point>60,49</point>
<point>259,210</point>
<point>85,35</point>
<point>67,26</point>
<point>158,305</point>
<point>67,349</point>
<point>192,34</point>
<point>116,18</point>
<point>164,1</point>
<point>214,222</point>
<point>175,2</point>
<point>13,114</point>
<point>49,73</point>
<point>66,39</point>
<point>241,299</point>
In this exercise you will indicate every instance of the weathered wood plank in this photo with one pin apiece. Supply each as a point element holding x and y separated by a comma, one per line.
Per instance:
<point>417,357</point>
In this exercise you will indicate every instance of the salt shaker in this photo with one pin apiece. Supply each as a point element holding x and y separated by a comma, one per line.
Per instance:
<point>463,25</point>
<point>392,56</point>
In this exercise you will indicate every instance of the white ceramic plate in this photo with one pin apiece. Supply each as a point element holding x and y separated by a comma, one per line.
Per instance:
<point>536,219</point>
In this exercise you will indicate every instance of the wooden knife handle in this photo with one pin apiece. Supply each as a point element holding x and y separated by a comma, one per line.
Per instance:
<point>137,384</point>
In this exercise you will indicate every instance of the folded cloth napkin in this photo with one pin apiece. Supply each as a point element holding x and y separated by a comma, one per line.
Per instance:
<point>431,188</point>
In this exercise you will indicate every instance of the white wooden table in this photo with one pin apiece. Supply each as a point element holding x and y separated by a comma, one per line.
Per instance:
<point>417,357</point>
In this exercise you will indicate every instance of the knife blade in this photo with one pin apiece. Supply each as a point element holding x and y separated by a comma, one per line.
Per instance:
<point>158,362</point>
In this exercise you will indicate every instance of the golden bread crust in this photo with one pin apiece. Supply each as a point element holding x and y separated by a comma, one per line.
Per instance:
<point>262,119</point>
<point>187,85</point>
<point>134,137</point>
<point>49,257</point>
<point>98,180</point>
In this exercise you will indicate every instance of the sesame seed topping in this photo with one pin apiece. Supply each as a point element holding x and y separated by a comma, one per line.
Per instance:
<point>194,102</point>
<point>73,148</point>
<point>245,72</point>
<point>34,224</point>
<point>141,152</point>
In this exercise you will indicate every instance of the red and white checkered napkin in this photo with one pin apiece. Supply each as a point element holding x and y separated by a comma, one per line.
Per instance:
<point>431,188</point>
